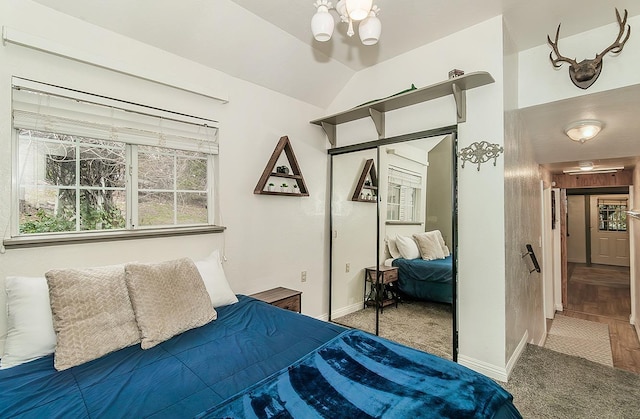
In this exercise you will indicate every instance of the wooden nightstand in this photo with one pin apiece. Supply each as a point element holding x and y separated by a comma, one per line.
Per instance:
<point>385,292</point>
<point>281,297</point>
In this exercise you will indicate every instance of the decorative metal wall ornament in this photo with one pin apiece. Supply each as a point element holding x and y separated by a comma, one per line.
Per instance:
<point>480,152</point>
<point>584,73</point>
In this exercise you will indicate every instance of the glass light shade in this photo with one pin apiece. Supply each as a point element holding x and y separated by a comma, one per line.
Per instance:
<point>359,9</point>
<point>585,166</point>
<point>370,29</point>
<point>583,131</point>
<point>322,24</point>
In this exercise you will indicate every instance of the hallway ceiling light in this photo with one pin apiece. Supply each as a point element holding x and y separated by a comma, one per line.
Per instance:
<point>586,166</point>
<point>593,171</point>
<point>583,130</point>
<point>349,11</point>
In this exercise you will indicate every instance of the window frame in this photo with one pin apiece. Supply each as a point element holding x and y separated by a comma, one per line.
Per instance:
<point>415,207</point>
<point>131,191</point>
<point>131,231</point>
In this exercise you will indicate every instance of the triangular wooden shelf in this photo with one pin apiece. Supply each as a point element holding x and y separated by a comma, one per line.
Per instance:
<point>283,145</point>
<point>369,170</point>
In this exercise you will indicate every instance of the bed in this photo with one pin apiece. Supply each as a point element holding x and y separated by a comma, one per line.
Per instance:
<point>428,280</point>
<point>255,360</point>
<point>171,339</point>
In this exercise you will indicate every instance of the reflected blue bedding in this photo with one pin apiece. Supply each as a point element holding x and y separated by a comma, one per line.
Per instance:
<point>426,279</point>
<point>245,353</point>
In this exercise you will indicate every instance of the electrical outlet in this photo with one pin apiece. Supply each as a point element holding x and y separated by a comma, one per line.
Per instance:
<point>347,268</point>
<point>303,276</point>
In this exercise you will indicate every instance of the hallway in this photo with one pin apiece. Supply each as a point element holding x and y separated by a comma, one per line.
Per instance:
<point>601,293</point>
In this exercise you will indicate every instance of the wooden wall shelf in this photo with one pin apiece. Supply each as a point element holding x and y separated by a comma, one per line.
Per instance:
<point>376,110</point>
<point>368,171</point>
<point>283,145</point>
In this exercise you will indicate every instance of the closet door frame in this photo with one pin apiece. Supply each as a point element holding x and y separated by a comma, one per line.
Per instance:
<point>451,130</point>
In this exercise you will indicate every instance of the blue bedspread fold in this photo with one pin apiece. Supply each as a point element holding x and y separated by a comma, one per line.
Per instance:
<point>357,375</point>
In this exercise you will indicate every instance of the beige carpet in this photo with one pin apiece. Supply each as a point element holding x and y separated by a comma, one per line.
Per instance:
<point>422,325</point>
<point>582,338</point>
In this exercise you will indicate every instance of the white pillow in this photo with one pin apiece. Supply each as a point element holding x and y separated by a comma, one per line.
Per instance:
<point>393,248</point>
<point>30,333</point>
<point>215,281</point>
<point>407,247</point>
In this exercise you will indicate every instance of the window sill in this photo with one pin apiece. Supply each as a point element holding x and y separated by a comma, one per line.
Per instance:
<point>56,239</point>
<point>403,223</point>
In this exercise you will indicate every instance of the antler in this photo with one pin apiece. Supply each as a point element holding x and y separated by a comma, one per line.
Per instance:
<point>559,58</point>
<point>617,45</point>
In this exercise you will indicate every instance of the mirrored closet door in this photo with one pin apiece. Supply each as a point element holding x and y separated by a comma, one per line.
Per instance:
<point>353,237</point>
<point>403,245</point>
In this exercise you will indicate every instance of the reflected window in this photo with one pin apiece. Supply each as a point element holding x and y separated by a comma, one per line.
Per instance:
<point>403,195</point>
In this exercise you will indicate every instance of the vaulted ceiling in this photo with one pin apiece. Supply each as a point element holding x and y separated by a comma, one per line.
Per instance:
<point>284,57</point>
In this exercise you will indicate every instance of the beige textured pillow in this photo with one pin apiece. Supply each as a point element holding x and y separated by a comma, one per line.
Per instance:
<point>168,298</point>
<point>429,246</point>
<point>92,314</point>
<point>443,245</point>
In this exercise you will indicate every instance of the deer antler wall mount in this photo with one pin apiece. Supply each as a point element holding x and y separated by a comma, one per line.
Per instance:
<point>584,73</point>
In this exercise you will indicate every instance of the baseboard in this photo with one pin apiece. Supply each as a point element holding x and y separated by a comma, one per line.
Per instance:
<point>516,354</point>
<point>559,307</point>
<point>637,327</point>
<point>347,310</point>
<point>490,370</point>
<point>324,317</point>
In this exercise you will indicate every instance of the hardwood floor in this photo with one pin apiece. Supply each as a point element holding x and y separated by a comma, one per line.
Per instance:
<point>601,293</point>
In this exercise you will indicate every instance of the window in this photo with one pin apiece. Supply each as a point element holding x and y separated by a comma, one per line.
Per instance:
<point>79,171</point>
<point>403,195</point>
<point>612,214</point>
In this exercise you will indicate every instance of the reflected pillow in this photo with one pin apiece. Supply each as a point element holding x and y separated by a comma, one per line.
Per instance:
<point>429,245</point>
<point>30,332</point>
<point>407,247</point>
<point>443,245</point>
<point>393,248</point>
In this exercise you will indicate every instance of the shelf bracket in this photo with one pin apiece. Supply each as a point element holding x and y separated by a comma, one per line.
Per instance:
<point>460,96</point>
<point>330,130</point>
<point>378,120</point>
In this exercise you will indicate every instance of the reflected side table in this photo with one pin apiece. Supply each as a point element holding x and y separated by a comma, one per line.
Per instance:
<point>383,292</point>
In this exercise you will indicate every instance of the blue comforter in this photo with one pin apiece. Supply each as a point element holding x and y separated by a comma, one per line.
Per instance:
<point>257,346</point>
<point>358,375</point>
<point>426,279</point>
<point>181,377</point>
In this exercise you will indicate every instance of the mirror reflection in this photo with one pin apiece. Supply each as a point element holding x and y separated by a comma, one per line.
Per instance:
<point>354,238</point>
<point>409,296</point>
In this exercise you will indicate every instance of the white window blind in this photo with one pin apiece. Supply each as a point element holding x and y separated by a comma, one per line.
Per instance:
<point>404,190</point>
<point>47,108</point>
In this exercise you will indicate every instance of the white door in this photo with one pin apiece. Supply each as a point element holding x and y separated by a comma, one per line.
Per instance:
<point>609,234</point>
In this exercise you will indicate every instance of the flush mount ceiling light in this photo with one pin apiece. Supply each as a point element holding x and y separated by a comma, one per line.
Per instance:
<point>593,170</point>
<point>349,11</point>
<point>584,130</point>
<point>585,166</point>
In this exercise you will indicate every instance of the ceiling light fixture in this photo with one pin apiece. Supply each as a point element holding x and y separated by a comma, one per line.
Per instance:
<point>585,166</point>
<point>349,11</point>
<point>593,171</point>
<point>584,130</point>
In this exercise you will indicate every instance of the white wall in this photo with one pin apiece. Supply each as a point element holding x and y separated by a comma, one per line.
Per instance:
<point>269,239</point>
<point>481,194</point>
